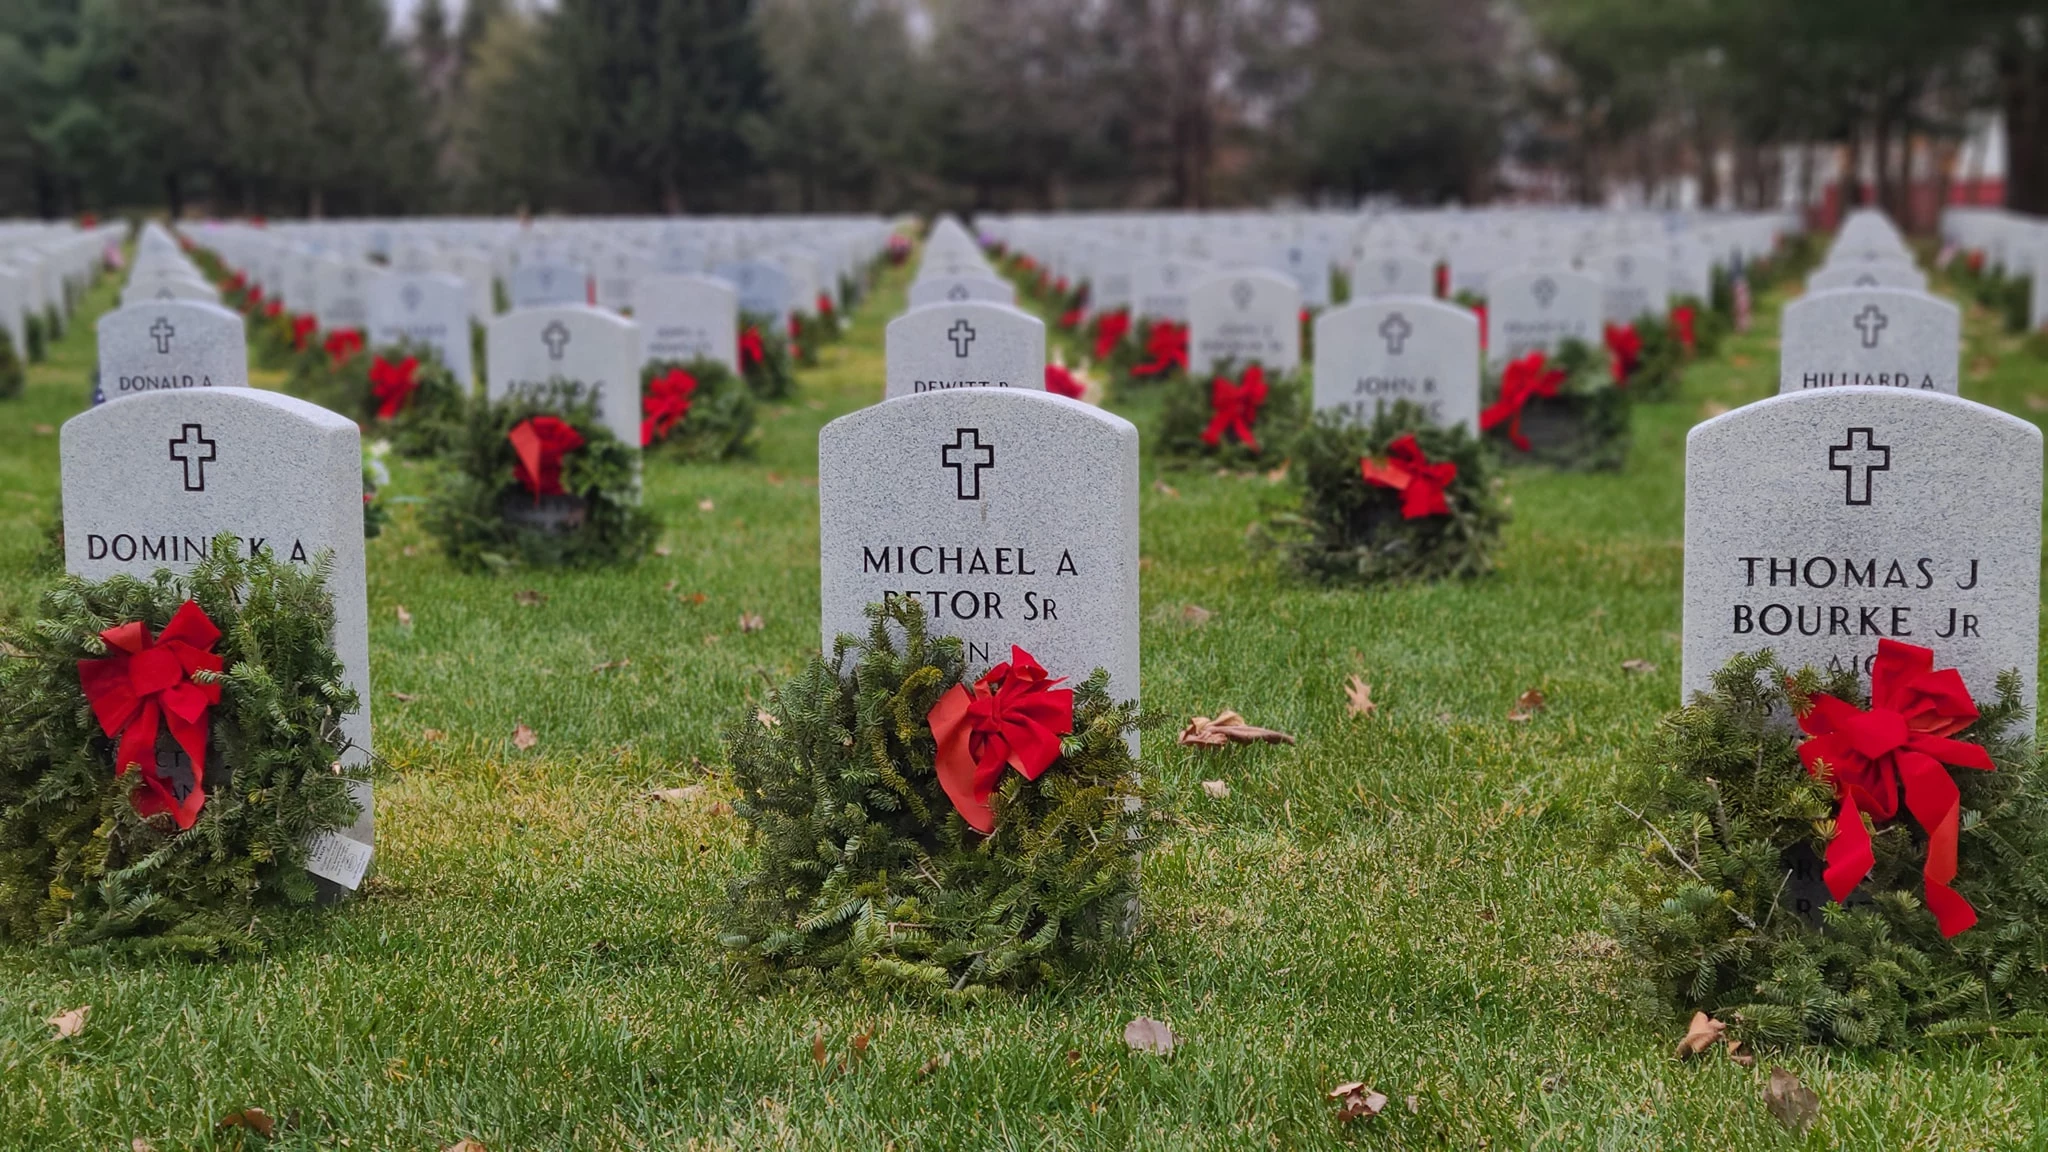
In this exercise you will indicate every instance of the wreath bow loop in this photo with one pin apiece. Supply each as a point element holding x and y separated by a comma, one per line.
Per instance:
<point>540,442</point>
<point>666,403</point>
<point>393,384</point>
<point>1110,330</point>
<point>1408,471</point>
<point>145,683</point>
<point>1012,717</point>
<point>1899,745</point>
<point>752,350</point>
<point>1522,381</point>
<point>1235,406</point>
<point>1166,348</point>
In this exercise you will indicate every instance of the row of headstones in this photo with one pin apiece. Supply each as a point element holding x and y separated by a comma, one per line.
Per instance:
<point>2010,244</point>
<point>1867,318</point>
<point>44,268</point>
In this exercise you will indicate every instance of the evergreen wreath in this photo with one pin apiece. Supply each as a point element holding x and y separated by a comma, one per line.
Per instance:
<point>1659,360</point>
<point>717,410</point>
<point>1159,355</point>
<point>403,393</point>
<point>595,518</point>
<point>1715,809</point>
<point>1205,417</point>
<point>33,333</point>
<point>1583,427</point>
<point>764,358</point>
<point>867,876</point>
<point>1351,530</point>
<point>1710,326</point>
<point>13,376</point>
<point>80,868</point>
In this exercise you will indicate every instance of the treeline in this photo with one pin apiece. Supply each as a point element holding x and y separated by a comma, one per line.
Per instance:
<point>321,107</point>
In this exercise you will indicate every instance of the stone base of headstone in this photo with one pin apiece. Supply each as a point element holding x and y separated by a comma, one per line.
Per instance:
<point>1806,890</point>
<point>1575,433</point>
<point>557,515</point>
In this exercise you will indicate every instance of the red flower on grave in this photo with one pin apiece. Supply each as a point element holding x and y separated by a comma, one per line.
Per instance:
<point>1234,407</point>
<point>143,683</point>
<point>1420,482</point>
<point>1110,330</point>
<point>1166,348</point>
<point>753,352</point>
<point>1014,716</point>
<point>303,328</point>
<point>1898,745</point>
<point>1522,381</point>
<point>1624,351</point>
<point>1683,318</point>
<point>392,385</point>
<point>1060,381</point>
<point>342,344</point>
<point>539,443</point>
<point>666,403</point>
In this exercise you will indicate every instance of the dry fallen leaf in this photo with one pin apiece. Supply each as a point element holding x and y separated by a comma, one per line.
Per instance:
<point>1166,490</point>
<point>720,808</point>
<point>1149,1036</point>
<point>818,1049</point>
<point>1229,728</point>
<point>1640,667</point>
<point>693,598</point>
<point>1196,615</point>
<point>404,617</point>
<point>751,622</point>
<point>69,1024</point>
<point>1359,693</point>
<point>523,737</point>
<point>1741,1055</point>
<point>1713,408</point>
<point>529,598</point>
<point>1355,1100</point>
<point>466,1146</point>
<point>2037,402</point>
<point>433,735</point>
<point>46,430</point>
<point>687,794</point>
<point>140,1145</point>
<point>404,697</point>
<point>661,550</point>
<point>1704,1033</point>
<point>408,550</point>
<point>1740,361</point>
<point>1278,474</point>
<point>942,1060</point>
<point>254,1119</point>
<point>766,718</point>
<point>1217,789</point>
<point>623,662</point>
<point>1793,1104</point>
<point>1527,704</point>
<point>705,505</point>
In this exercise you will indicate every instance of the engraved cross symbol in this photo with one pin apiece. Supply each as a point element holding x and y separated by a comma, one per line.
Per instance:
<point>1396,329</point>
<point>193,450</point>
<point>1857,457</point>
<point>1870,322</point>
<point>1391,270</point>
<point>1866,280</point>
<point>1546,291</point>
<point>411,295</point>
<point>957,292</point>
<point>961,334</point>
<point>161,332</point>
<point>967,456</point>
<point>556,337</point>
<point>1241,295</point>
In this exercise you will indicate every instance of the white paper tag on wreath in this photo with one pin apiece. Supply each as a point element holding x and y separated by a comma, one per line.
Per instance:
<point>335,857</point>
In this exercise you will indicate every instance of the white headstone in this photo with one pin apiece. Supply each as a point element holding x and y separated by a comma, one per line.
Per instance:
<point>1881,336</point>
<point>688,318</point>
<point>1389,348</point>
<point>428,310</point>
<point>1818,522</point>
<point>1868,274</point>
<point>170,344</point>
<point>543,285</point>
<point>974,345</point>
<point>950,289</point>
<point>765,289</point>
<point>1245,317</point>
<point>1538,309</point>
<point>525,350</point>
<point>1010,516</point>
<point>1391,274</point>
<point>148,483</point>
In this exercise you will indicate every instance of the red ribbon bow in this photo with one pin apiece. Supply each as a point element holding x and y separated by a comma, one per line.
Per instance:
<point>1110,330</point>
<point>1166,348</point>
<point>1900,743</point>
<point>752,350</point>
<point>1235,406</point>
<point>540,442</point>
<point>142,682</point>
<point>342,344</point>
<point>666,403</point>
<point>303,328</point>
<point>825,308</point>
<point>1522,381</point>
<point>1479,310</point>
<point>1625,350</point>
<point>1014,715</point>
<point>393,384</point>
<point>1060,381</point>
<point>1682,319</point>
<point>1407,471</point>
<point>236,282</point>
<point>1072,317</point>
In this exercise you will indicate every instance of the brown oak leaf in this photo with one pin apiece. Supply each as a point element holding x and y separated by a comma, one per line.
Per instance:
<point>1639,667</point>
<point>1229,728</point>
<point>1793,1104</point>
<point>1195,615</point>
<point>1704,1033</point>
<point>523,737</point>
<point>1166,490</point>
<point>751,622</point>
<point>254,1119</point>
<point>1527,705</point>
<point>529,598</point>
<point>661,550</point>
<point>1217,789</point>
<point>687,794</point>
<point>433,735</point>
<point>1741,1055</point>
<point>1359,696</point>
<point>466,1145</point>
<point>70,1023</point>
<point>1355,1100</point>
<point>404,617</point>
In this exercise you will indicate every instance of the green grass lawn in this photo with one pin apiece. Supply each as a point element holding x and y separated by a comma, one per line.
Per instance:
<point>1408,900</point>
